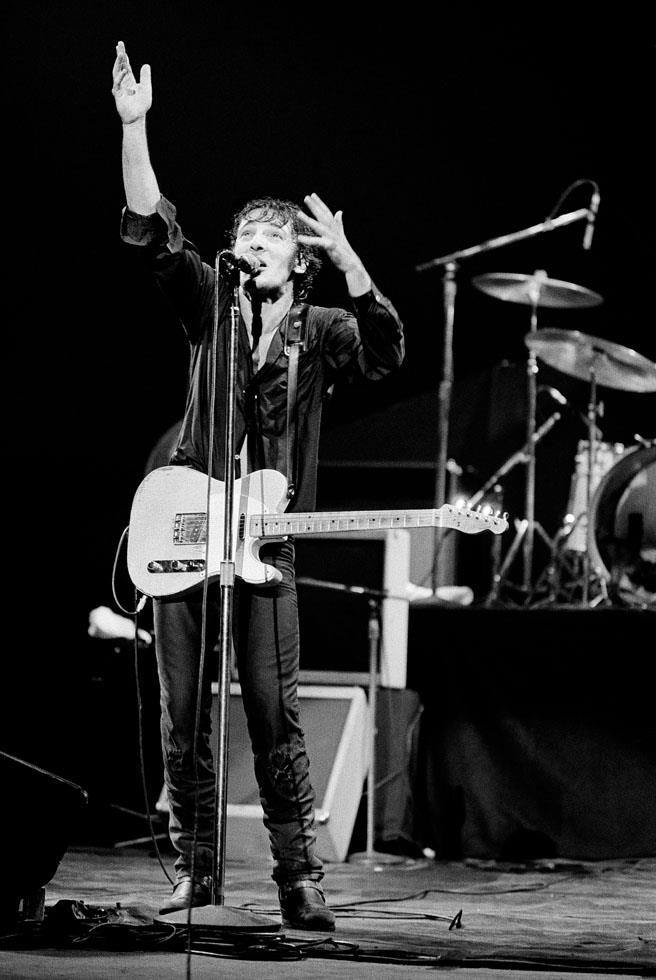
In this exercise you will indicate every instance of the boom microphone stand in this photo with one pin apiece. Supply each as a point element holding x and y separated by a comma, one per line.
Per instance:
<point>449,264</point>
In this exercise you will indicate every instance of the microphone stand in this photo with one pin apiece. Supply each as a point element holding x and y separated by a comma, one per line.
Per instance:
<point>374,597</point>
<point>449,263</point>
<point>227,583</point>
<point>217,913</point>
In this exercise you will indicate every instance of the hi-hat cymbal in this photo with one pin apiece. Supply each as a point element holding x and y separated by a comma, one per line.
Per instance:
<point>535,290</point>
<point>586,357</point>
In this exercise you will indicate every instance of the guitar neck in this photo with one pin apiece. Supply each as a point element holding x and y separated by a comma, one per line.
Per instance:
<point>276,525</point>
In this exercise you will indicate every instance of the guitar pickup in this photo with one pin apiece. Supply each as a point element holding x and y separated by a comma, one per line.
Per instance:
<point>164,565</point>
<point>190,528</point>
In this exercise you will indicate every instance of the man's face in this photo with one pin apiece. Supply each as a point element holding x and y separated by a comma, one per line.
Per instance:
<point>273,246</point>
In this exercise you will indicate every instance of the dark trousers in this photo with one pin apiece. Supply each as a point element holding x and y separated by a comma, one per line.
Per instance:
<point>266,640</point>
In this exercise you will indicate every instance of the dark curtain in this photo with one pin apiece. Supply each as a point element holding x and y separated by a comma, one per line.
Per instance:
<point>538,733</point>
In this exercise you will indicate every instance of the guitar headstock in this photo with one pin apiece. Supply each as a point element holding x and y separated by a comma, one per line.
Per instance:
<point>472,521</point>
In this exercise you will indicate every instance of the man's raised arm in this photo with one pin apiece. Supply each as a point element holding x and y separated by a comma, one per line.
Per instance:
<point>133,100</point>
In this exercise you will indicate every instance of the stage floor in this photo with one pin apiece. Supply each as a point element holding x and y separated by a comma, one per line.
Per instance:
<point>483,919</point>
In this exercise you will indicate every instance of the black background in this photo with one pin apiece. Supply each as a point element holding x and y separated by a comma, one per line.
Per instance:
<point>433,129</point>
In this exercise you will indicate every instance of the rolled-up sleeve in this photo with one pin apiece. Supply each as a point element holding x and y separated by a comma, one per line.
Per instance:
<point>174,262</point>
<point>159,229</point>
<point>368,342</point>
<point>379,322</point>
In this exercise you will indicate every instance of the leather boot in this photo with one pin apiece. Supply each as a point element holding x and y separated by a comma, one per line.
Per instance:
<point>303,906</point>
<point>188,893</point>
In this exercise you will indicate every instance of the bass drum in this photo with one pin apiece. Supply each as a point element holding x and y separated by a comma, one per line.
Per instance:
<point>623,515</point>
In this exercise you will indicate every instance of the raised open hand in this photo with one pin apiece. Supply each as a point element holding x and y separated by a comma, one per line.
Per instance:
<point>133,99</point>
<point>329,234</point>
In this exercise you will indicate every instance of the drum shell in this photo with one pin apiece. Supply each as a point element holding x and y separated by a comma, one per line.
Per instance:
<point>606,454</point>
<point>624,505</point>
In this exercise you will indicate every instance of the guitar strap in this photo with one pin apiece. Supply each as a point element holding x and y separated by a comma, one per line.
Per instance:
<point>294,342</point>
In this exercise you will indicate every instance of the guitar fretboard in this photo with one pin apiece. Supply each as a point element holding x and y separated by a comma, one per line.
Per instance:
<point>275,525</point>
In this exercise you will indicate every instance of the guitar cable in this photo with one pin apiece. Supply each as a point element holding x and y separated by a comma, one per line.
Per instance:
<point>140,734</point>
<point>138,605</point>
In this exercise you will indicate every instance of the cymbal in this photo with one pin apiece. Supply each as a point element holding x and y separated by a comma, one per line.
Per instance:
<point>580,355</point>
<point>518,288</point>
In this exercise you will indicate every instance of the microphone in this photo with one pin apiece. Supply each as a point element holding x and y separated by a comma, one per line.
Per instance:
<point>243,263</point>
<point>592,217</point>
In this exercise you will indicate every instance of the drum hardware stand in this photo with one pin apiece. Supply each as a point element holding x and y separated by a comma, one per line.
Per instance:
<point>496,551</point>
<point>521,456</point>
<point>579,567</point>
<point>531,386</point>
<point>374,597</point>
<point>560,591</point>
<point>449,264</point>
<point>592,455</point>
<point>594,411</point>
<point>582,577</point>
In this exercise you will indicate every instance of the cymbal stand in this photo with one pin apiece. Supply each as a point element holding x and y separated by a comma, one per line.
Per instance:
<point>589,483</point>
<point>526,529</point>
<point>531,388</point>
<point>449,289</point>
<point>449,265</point>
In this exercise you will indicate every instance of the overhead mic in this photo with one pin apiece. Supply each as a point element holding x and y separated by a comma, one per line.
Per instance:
<point>592,217</point>
<point>245,263</point>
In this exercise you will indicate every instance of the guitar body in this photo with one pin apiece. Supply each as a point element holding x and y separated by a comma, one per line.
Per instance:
<point>167,541</point>
<point>168,551</point>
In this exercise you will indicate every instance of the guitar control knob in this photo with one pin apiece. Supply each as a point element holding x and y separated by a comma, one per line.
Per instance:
<point>155,566</point>
<point>177,566</point>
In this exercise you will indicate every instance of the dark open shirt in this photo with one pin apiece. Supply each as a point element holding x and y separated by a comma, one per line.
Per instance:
<point>339,345</point>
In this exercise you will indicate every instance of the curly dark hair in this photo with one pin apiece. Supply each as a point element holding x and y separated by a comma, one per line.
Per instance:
<point>282,212</point>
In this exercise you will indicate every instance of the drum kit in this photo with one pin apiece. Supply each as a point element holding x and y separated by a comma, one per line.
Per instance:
<point>611,520</point>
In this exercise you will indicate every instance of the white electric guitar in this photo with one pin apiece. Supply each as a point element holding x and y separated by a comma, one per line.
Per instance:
<point>167,542</point>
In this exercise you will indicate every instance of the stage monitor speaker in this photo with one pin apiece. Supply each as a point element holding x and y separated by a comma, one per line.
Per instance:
<point>334,720</point>
<point>39,813</point>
